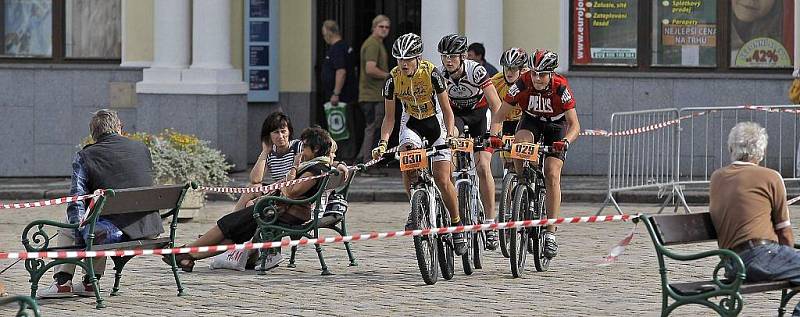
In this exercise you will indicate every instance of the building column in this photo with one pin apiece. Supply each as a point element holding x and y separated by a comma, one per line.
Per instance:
<point>563,42</point>
<point>439,18</point>
<point>483,23</point>
<point>211,71</point>
<point>171,44</point>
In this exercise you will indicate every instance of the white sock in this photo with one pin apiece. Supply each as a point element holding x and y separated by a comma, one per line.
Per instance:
<point>489,221</point>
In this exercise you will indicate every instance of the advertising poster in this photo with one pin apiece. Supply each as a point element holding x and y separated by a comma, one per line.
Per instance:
<point>685,33</point>
<point>604,32</point>
<point>762,33</point>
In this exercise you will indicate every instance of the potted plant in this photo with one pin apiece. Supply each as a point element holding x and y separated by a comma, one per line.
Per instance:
<point>180,158</point>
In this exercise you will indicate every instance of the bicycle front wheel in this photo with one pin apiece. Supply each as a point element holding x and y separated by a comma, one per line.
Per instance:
<point>504,213</point>
<point>425,246</point>
<point>519,236</point>
<point>465,212</point>
<point>541,262</point>
<point>445,243</point>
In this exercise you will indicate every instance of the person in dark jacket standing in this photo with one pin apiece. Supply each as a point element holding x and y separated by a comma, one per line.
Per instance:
<point>112,162</point>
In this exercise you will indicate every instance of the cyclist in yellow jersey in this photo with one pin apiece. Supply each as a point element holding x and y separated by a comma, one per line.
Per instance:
<point>420,88</point>
<point>514,62</point>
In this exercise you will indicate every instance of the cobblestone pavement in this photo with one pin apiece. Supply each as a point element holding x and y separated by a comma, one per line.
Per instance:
<point>387,281</point>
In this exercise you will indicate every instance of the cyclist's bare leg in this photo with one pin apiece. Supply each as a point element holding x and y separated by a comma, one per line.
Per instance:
<point>408,176</point>
<point>483,167</point>
<point>522,135</point>
<point>552,170</point>
<point>442,174</point>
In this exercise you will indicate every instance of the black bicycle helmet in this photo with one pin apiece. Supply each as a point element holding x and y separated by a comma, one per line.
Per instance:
<point>407,46</point>
<point>544,61</point>
<point>514,57</point>
<point>453,44</point>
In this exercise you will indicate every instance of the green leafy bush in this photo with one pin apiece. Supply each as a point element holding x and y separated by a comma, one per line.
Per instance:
<point>180,158</point>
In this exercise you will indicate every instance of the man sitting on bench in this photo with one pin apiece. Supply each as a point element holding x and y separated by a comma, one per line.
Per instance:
<point>749,211</point>
<point>114,162</point>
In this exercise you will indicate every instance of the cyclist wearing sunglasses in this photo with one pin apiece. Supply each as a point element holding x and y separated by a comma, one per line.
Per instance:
<point>548,109</point>
<point>420,88</point>
<point>472,95</point>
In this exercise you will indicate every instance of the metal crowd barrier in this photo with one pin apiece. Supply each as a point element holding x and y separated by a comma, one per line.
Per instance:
<point>642,152</point>
<point>646,153</point>
<point>704,140</point>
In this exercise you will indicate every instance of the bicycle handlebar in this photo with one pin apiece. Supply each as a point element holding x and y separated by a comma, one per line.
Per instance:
<point>428,151</point>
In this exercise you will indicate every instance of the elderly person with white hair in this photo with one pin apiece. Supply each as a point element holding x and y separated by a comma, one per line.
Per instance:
<point>749,211</point>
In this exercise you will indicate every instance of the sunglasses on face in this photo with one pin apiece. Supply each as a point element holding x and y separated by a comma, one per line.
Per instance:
<point>541,74</point>
<point>383,27</point>
<point>450,56</point>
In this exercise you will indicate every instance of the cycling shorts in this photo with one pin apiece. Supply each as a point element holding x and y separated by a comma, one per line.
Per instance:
<point>549,131</point>
<point>432,129</point>
<point>477,120</point>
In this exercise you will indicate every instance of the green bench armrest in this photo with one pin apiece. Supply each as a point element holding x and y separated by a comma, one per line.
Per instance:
<point>39,239</point>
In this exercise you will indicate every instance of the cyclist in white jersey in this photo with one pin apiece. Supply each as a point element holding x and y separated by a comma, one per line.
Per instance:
<point>473,98</point>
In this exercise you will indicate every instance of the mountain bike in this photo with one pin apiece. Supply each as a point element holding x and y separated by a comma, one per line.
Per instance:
<point>506,196</point>
<point>528,204</point>
<point>470,207</point>
<point>433,251</point>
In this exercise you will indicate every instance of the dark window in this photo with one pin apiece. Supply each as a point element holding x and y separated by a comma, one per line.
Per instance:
<point>61,31</point>
<point>690,35</point>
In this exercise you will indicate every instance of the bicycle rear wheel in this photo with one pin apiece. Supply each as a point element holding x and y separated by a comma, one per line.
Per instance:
<point>465,212</point>
<point>504,213</point>
<point>541,262</point>
<point>445,244</point>
<point>425,247</point>
<point>519,236</point>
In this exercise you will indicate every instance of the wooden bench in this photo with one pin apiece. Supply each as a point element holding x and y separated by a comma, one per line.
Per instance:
<point>669,230</point>
<point>114,202</point>
<point>25,303</point>
<point>270,230</point>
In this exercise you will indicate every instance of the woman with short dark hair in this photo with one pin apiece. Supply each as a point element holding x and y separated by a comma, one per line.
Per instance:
<point>278,154</point>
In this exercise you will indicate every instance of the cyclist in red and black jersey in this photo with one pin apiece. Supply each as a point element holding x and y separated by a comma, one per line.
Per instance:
<point>548,109</point>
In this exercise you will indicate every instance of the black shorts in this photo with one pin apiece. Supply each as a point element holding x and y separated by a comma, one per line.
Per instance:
<point>476,120</point>
<point>549,131</point>
<point>240,226</point>
<point>510,127</point>
<point>427,128</point>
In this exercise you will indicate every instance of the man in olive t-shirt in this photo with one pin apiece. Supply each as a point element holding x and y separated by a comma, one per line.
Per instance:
<point>373,73</point>
<point>750,214</point>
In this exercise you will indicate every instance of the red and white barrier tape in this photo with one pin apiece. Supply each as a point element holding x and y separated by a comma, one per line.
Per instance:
<point>304,241</point>
<point>770,109</point>
<point>792,201</point>
<point>50,202</point>
<point>259,189</point>
<point>616,251</point>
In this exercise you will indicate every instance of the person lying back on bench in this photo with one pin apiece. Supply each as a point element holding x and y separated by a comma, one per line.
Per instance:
<point>239,226</point>
<point>749,211</point>
<point>112,162</point>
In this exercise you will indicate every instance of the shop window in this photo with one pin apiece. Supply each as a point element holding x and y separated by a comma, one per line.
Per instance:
<point>665,35</point>
<point>605,32</point>
<point>685,33</point>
